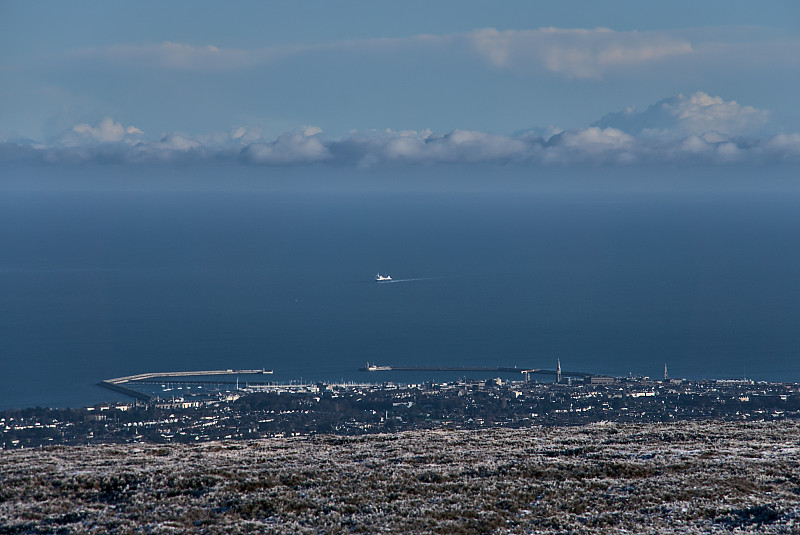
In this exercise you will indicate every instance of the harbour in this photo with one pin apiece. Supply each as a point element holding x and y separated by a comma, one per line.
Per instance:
<point>117,384</point>
<point>493,369</point>
<point>185,380</point>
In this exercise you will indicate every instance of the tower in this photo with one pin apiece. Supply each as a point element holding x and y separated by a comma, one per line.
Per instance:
<point>558,372</point>
<point>666,377</point>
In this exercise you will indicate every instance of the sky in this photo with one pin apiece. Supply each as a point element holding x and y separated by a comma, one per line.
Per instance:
<point>370,84</point>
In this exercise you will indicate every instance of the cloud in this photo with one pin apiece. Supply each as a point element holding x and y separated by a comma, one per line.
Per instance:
<point>169,55</point>
<point>784,147</point>
<point>684,115</point>
<point>302,147</point>
<point>595,145</point>
<point>685,129</point>
<point>106,131</point>
<point>578,53</point>
<point>425,147</point>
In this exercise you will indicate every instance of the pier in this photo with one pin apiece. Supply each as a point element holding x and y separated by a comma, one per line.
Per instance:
<point>135,394</point>
<point>498,369</point>
<point>117,384</point>
<point>154,375</point>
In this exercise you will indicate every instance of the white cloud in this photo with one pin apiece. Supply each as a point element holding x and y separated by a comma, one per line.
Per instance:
<point>593,145</point>
<point>309,131</point>
<point>106,131</point>
<point>786,141</point>
<point>177,142</point>
<point>729,152</point>
<point>784,147</point>
<point>694,145</point>
<point>582,53</point>
<point>301,147</point>
<point>597,145</point>
<point>690,129</point>
<point>579,53</point>
<point>593,139</point>
<point>425,147</point>
<point>684,115</point>
<point>239,132</point>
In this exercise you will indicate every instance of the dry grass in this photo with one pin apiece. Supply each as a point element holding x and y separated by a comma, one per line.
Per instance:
<point>682,477</point>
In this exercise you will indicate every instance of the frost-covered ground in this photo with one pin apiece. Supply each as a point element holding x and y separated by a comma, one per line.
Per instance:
<point>704,477</point>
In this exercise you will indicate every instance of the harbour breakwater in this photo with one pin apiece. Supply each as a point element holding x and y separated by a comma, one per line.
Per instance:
<point>116,384</point>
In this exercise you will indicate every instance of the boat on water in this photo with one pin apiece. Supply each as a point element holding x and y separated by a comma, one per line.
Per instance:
<point>373,368</point>
<point>382,278</point>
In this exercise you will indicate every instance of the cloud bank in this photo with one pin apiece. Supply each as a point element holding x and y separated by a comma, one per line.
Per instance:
<point>684,129</point>
<point>577,53</point>
<point>582,53</point>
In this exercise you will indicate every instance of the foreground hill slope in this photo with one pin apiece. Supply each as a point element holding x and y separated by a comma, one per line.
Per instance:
<point>681,477</point>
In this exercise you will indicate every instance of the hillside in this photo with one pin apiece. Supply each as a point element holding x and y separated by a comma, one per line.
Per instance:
<point>681,477</point>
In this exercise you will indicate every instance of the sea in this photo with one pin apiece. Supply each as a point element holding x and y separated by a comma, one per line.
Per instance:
<point>99,284</point>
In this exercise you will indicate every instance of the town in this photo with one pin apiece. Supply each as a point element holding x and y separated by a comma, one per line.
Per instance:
<point>291,410</point>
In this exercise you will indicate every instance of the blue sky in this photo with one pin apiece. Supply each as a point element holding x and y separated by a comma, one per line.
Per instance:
<point>364,83</point>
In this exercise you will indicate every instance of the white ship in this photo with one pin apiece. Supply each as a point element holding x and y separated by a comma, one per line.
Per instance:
<point>382,278</point>
<point>373,368</point>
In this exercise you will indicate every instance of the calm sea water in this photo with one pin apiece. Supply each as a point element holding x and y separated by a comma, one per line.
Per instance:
<point>98,285</point>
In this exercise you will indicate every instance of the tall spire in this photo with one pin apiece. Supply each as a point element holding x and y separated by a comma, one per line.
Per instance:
<point>558,372</point>
<point>666,377</point>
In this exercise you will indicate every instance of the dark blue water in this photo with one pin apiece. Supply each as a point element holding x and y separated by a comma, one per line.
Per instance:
<point>98,285</point>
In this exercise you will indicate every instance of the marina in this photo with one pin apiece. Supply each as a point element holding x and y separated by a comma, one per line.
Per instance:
<point>117,384</point>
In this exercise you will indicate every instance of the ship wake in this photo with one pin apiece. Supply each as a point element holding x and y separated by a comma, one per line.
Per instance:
<point>408,280</point>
